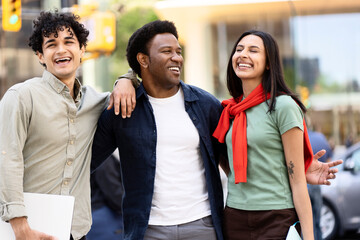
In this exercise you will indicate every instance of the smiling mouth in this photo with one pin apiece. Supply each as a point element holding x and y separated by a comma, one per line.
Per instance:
<point>175,69</point>
<point>62,60</point>
<point>244,65</point>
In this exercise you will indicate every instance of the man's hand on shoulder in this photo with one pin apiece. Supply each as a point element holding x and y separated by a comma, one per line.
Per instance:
<point>123,97</point>
<point>319,173</point>
<point>23,231</point>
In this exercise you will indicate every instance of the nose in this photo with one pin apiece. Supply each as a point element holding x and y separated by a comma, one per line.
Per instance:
<point>243,54</point>
<point>176,57</point>
<point>61,48</point>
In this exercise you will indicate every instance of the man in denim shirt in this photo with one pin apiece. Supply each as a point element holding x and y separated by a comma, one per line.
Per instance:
<point>169,160</point>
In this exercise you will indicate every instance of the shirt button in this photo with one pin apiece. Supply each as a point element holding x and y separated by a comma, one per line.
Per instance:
<point>66,183</point>
<point>71,120</point>
<point>69,163</point>
<point>71,142</point>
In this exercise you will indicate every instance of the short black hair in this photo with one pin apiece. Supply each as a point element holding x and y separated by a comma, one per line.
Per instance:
<point>52,22</point>
<point>138,42</point>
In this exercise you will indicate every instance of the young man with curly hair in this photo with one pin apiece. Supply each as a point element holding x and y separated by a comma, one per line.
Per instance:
<point>47,128</point>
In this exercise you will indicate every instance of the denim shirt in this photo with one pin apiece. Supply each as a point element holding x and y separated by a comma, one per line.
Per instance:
<point>136,139</point>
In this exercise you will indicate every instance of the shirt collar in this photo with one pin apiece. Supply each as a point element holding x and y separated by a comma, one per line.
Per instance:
<point>189,95</point>
<point>59,86</point>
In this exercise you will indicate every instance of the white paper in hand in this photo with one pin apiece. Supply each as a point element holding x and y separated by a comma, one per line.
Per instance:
<point>51,214</point>
<point>293,233</point>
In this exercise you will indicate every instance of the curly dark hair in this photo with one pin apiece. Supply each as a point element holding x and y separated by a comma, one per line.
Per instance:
<point>140,38</point>
<point>53,22</point>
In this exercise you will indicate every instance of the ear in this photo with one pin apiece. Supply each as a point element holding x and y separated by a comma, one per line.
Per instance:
<point>41,59</point>
<point>143,59</point>
<point>40,56</point>
<point>82,49</point>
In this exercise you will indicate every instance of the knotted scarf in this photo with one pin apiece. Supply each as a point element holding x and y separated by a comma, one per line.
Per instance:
<point>235,108</point>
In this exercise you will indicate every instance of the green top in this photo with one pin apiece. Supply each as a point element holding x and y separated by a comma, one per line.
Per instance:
<point>267,185</point>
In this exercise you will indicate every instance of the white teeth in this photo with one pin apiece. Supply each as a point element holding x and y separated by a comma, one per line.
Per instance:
<point>174,69</point>
<point>244,65</point>
<point>62,59</point>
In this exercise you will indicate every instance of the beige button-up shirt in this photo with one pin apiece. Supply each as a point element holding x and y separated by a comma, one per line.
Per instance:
<point>45,145</point>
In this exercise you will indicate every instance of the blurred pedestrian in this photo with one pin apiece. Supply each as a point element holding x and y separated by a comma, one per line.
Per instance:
<point>318,142</point>
<point>349,141</point>
<point>107,193</point>
<point>265,133</point>
<point>47,127</point>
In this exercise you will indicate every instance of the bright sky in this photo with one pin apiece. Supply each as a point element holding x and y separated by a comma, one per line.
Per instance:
<point>335,40</point>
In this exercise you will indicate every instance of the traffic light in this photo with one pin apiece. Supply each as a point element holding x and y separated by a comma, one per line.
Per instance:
<point>102,37</point>
<point>102,28</point>
<point>11,15</point>
<point>304,95</point>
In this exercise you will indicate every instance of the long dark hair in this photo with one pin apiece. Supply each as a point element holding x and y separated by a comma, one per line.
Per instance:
<point>273,79</point>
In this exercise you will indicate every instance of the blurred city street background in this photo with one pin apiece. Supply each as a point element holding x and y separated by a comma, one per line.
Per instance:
<point>319,42</point>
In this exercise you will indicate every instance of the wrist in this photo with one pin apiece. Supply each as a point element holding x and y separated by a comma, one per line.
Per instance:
<point>135,82</point>
<point>19,225</point>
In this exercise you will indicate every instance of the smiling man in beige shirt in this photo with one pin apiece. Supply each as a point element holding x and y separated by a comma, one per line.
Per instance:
<point>47,128</point>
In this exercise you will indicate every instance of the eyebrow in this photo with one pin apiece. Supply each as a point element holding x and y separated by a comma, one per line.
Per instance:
<point>49,41</point>
<point>253,46</point>
<point>168,46</point>
<point>53,40</point>
<point>70,38</point>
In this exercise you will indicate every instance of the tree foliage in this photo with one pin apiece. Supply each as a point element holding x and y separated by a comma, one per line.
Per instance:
<point>128,21</point>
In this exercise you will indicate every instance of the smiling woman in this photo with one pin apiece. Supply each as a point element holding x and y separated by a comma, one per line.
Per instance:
<point>267,144</point>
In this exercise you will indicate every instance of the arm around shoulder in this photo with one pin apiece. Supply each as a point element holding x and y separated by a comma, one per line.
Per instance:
<point>123,96</point>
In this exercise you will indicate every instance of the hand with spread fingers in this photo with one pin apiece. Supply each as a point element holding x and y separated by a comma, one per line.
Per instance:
<point>319,173</point>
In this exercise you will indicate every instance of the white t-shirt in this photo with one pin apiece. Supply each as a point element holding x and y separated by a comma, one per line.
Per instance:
<point>180,192</point>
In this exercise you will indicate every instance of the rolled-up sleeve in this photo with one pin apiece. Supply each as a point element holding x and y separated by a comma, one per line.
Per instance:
<point>13,130</point>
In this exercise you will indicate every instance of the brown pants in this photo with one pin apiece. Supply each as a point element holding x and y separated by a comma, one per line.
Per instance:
<point>255,225</point>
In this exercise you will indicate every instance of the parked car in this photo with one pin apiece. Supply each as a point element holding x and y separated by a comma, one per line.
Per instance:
<point>340,212</point>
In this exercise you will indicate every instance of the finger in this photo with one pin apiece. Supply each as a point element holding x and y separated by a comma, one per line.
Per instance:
<point>326,182</point>
<point>320,153</point>
<point>116,105</point>
<point>123,108</point>
<point>46,237</point>
<point>335,163</point>
<point>331,176</point>
<point>111,102</point>
<point>333,170</point>
<point>128,108</point>
<point>133,103</point>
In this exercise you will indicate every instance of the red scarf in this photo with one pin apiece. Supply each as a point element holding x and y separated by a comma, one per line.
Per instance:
<point>235,108</point>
